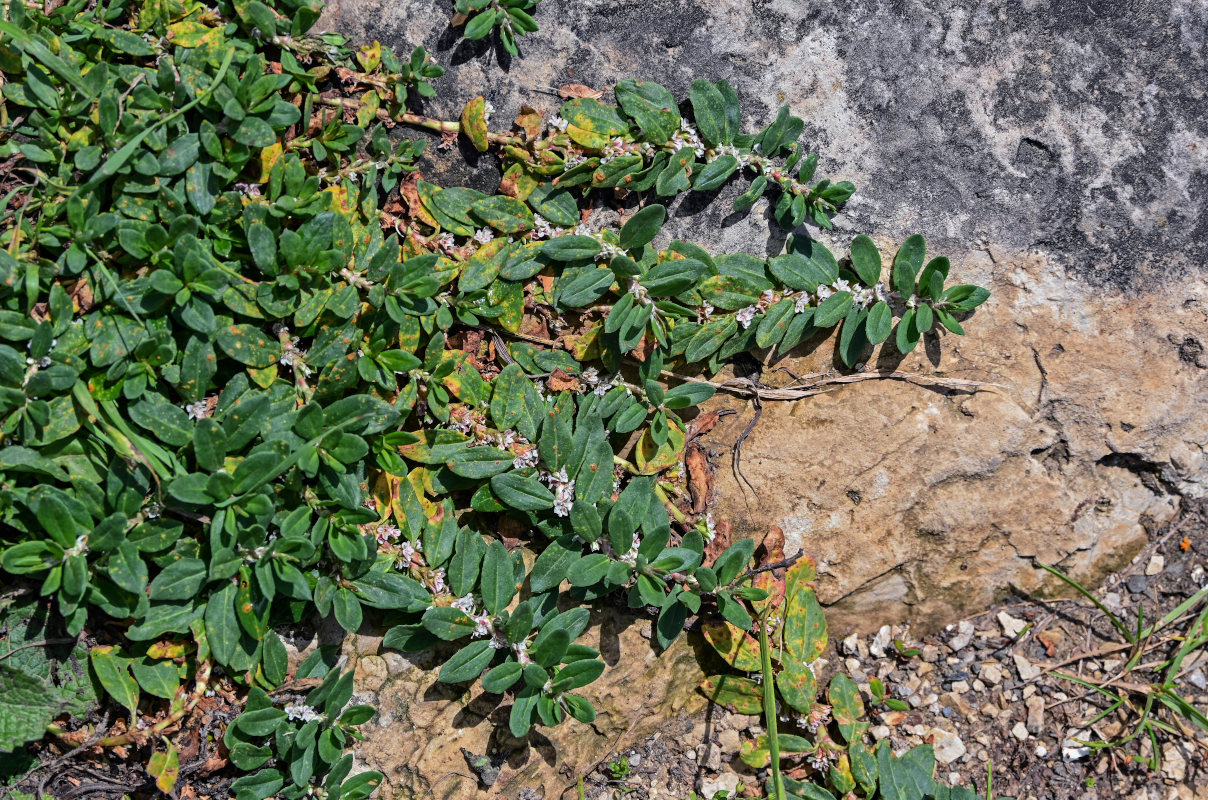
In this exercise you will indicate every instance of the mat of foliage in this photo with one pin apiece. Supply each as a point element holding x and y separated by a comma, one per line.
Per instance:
<point>252,370</point>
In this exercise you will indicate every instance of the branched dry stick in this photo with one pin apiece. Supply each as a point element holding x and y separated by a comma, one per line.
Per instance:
<point>784,563</point>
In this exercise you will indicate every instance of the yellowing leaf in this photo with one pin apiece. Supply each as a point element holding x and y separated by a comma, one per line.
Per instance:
<point>165,767</point>
<point>474,123</point>
<point>269,156</point>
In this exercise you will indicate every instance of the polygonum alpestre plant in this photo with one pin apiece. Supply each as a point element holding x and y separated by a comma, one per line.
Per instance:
<point>253,369</point>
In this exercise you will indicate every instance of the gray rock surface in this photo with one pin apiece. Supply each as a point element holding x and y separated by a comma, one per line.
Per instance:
<point>1073,129</point>
<point>1057,152</point>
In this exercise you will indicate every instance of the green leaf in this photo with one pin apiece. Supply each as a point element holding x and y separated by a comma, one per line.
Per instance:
<point>848,708</point>
<point>747,199</point>
<point>160,678</point>
<point>907,336</point>
<point>479,462</point>
<point>180,580</point>
<point>709,111</point>
<point>908,777</point>
<point>467,663</point>
<point>113,672</point>
<point>126,569</point>
<point>709,338</point>
<point>651,106</point>
<point>833,309</point>
<point>571,248</point>
<point>866,260</point>
<point>551,567</point>
<point>730,292</point>
<point>502,677</point>
<point>221,624</point>
<point>688,394</point>
<point>170,424</point>
<point>642,227</point>
<point>507,399</point>
<point>448,623</point>
<point>739,695</point>
<point>907,263</point>
<point>497,581</point>
<point>965,297</point>
<point>254,132</point>
<point>522,492</point>
<point>715,173</point>
<point>504,214</point>
<point>248,345</point>
<point>880,323</point>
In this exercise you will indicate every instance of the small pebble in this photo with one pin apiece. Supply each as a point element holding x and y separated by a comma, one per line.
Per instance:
<point>990,674</point>
<point>1020,732</point>
<point>880,642</point>
<point>1011,626</point>
<point>1025,668</point>
<point>879,732</point>
<point>964,636</point>
<point>1035,705</point>
<point>1155,565</point>
<point>1137,583</point>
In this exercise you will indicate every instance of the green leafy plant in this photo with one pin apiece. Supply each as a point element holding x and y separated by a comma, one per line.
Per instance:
<point>303,742</point>
<point>252,372</point>
<point>825,755</point>
<point>511,18</point>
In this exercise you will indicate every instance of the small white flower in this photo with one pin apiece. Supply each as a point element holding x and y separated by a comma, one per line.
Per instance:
<point>528,458</point>
<point>559,123</point>
<point>300,712</point>
<point>801,302</point>
<point>446,243</point>
<point>483,235</point>
<point>841,285</point>
<point>746,315</point>
<point>198,410</point>
<point>608,251</point>
<point>823,292</point>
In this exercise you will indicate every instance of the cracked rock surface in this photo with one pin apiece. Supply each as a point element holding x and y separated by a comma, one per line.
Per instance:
<point>1056,152</point>
<point>1058,155</point>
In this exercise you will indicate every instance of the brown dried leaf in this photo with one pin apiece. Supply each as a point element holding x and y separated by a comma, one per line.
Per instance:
<point>508,187</point>
<point>567,91</point>
<point>529,121</point>
<point>703,424</point>
<point>723,537</point>
<point>81,296</point>
<point>771,549</point>
<point>700,477</point>
<point>560,380</point>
